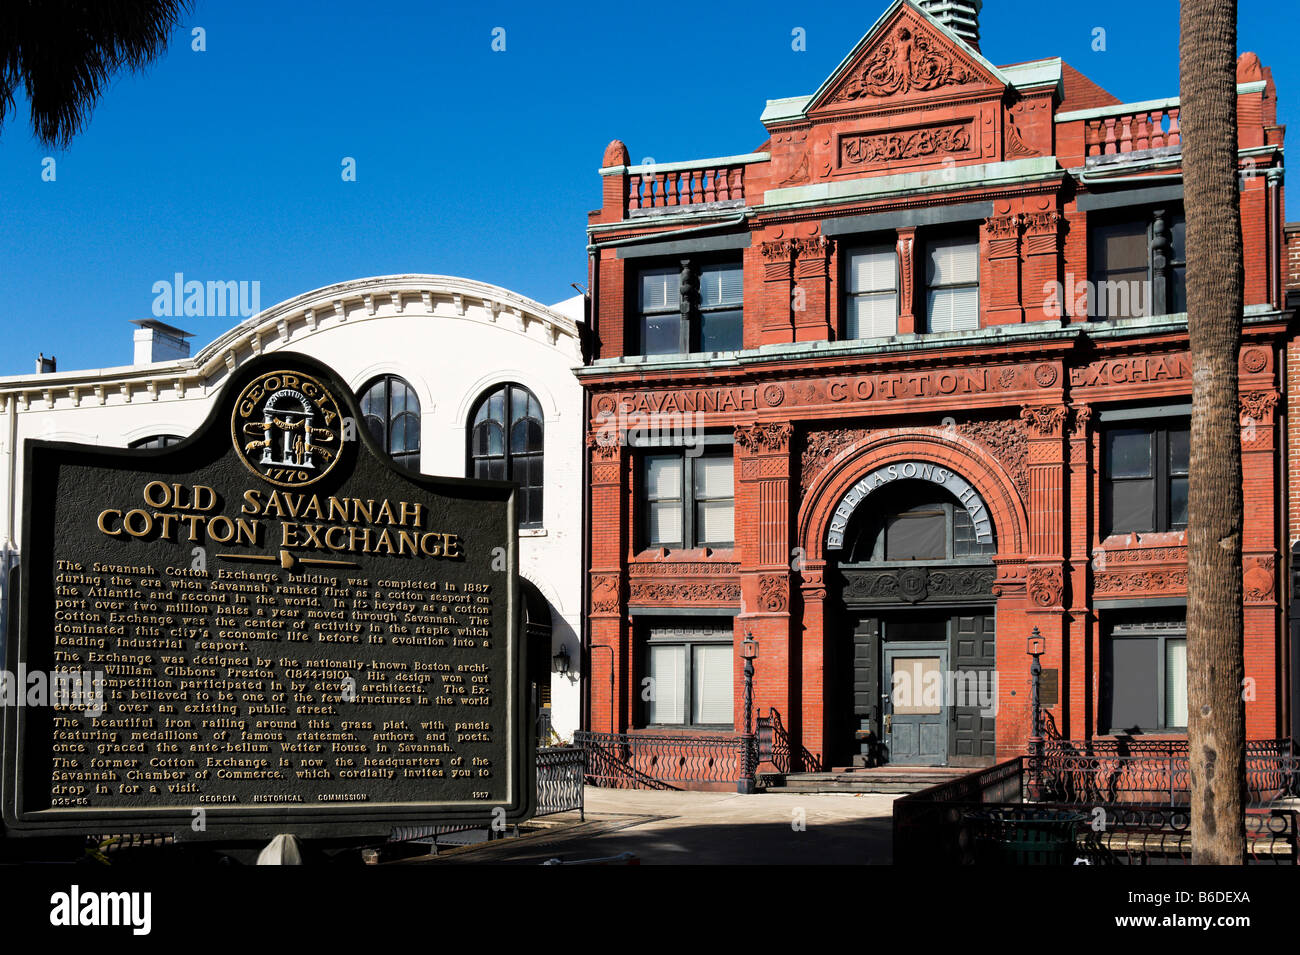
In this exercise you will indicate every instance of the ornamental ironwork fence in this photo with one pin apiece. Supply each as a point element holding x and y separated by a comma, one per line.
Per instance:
<point>775,747</point>
<point>561,774</point>
<point>658,761</point>
<point>1120,770</point>
<point>990,817</point>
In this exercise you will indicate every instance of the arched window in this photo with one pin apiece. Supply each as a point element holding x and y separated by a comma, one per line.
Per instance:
<point>391,410</point>
<point>505,443</point>
<point>914,521</point>
<point>157,441</point>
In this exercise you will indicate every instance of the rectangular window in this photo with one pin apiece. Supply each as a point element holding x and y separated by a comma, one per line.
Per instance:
<point>661,319</point>
<point>952,280</point>
<point>691,676</point>
<point>1144,486</point>
<point>721,307</point>
<point>688,499</point>
<point>712,320</point>
<point>1123,282</point>
<point>871,303</point>
<point>1144,679</point>
<point>1120,273</point>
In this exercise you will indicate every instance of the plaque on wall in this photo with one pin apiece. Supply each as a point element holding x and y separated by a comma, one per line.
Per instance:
<point>268,627</point>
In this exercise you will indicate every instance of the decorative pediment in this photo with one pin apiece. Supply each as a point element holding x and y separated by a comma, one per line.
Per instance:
<point>906,54</point>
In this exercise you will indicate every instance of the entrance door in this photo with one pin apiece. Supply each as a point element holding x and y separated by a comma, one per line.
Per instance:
<point>916,720</point>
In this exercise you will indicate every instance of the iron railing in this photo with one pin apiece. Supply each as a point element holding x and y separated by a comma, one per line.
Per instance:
<point>983,818</point>
<point>561,774</point>
<point>650,761</point>
<point>1120,770</point>
<point>777,749</point>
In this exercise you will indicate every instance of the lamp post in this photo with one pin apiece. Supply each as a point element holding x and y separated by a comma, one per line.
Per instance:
<point>561,660</point>
<point>1037,645</point>
<point>749,653</point>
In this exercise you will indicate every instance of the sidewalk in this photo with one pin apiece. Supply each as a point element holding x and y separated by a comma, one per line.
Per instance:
<point>700,828</point>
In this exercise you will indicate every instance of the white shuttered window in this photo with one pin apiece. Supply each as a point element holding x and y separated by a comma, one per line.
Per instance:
<point>952,279</point>
<point>872,301</point>
<point>692,675</point>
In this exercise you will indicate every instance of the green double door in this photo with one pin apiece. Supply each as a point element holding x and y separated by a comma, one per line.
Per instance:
<point>923,688</point>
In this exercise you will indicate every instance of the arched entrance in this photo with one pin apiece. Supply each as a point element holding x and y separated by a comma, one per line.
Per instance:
<point>911,639</point>
<point>537,651</point>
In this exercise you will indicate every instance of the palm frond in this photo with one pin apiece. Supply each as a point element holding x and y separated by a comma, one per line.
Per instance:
<point>64,53</point>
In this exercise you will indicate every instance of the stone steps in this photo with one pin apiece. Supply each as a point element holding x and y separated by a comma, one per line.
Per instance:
<point>863,781</point>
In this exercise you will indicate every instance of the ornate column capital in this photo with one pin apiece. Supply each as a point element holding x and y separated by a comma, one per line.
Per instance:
<point>767,438</point>
<point>1044,421</point>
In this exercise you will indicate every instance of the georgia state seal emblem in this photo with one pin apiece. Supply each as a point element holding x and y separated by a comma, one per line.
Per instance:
<point>287,428</point>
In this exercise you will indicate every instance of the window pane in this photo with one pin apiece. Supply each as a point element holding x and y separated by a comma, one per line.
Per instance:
<point>399,396</point>
<point>1177,503</point>
<point>532,506</point>
<point>660,289</point>
<point>872,270</point>
<point>525,435</point>
<point>952,262</point>
<point>1121,293</point>
<point>663,477</point>
<point>872,316</point>
<point>1131,505</point>
<point>665,524</point>
<point>1122,247</point>
<point>661,334</point>
<point>1179,451</point>
<point>715,522</point>
<point>721,331</point>
<point>721,285</point>
<point>713,476</point>
<point>1178,281</point>
<point>920,535</point>
<point>711,697</point>
<point>405,435</point>
<point>667,689</point>
<point>1178,240</point>
<point>489,438</point>
<point>1128,454</point>
<point>953,310</point>
<point>1176,682</point>
<point>372,402</point>
<point>1134,672</point>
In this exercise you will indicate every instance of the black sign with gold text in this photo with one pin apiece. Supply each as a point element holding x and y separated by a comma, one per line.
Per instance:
<point>269,627</point>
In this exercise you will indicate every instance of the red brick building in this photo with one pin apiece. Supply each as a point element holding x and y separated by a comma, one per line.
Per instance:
<point>907,382</point>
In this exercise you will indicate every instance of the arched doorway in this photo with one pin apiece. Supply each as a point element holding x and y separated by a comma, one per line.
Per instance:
<point>537,652</point>
<point>911,679</point>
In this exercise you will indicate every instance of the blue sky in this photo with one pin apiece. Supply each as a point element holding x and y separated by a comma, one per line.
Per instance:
<point>226,164</point>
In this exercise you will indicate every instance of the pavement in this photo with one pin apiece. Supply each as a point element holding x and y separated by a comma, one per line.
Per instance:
<point>702,828</point>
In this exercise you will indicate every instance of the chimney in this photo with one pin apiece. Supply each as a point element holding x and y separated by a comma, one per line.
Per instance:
<point>158,341</point>
<point>962,17</point>
<point>45,366</point>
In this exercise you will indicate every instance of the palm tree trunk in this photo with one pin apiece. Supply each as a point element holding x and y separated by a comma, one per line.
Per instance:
<point>1216,718</point>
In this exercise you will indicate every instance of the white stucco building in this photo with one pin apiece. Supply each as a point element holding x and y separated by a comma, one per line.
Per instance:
<point>458,378</point>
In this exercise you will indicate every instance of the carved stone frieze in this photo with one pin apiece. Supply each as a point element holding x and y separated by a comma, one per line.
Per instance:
<point>917,584</point>
<point>684,592</point>
<point>908,59</point>
<point>868,148</point>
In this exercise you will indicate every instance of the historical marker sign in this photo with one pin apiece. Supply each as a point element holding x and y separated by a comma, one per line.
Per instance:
<point>266,628</point>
